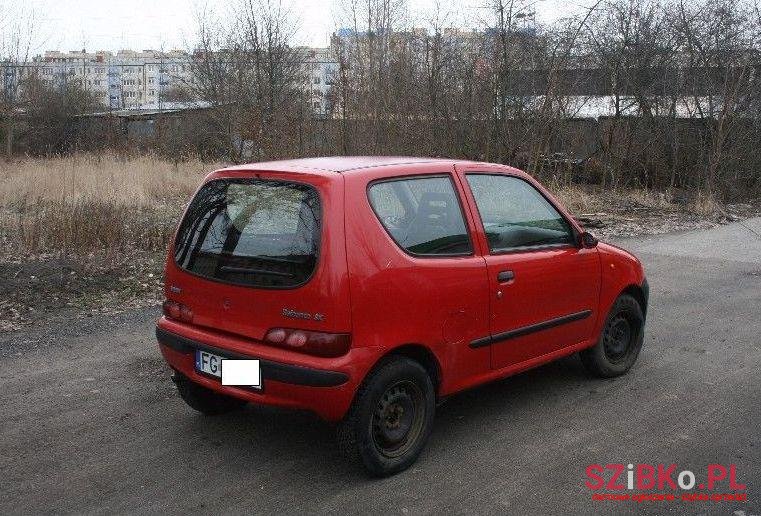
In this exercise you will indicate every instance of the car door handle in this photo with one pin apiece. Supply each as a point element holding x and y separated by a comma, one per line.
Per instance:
<point>505,276</point>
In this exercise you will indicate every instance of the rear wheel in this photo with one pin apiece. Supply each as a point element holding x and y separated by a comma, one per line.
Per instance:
<point>620,341</point>
<point>389,422</point>
<point>205,400</point>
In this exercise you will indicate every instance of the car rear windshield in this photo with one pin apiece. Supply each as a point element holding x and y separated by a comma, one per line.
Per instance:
<point>251,232</point>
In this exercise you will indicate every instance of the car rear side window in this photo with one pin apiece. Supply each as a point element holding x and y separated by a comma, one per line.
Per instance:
<point>516,215</point>
<point>422,214</point>
<point>252,232</point>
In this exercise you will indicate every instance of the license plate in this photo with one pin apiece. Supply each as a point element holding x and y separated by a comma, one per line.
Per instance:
<point>240,372</point>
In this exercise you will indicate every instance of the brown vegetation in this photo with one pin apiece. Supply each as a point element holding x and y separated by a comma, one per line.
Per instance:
<point>86,204</point>
<point>87,232</point>
<point>107,205</point>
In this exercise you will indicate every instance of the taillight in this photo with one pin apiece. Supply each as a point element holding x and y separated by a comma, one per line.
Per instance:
<point>311,342</point>
<point>177,311</point>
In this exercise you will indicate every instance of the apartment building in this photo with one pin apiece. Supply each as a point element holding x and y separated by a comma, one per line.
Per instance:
<point>122,80</point>
<point>131,79</point>
<point>320,69</point>
<point>126,79</point>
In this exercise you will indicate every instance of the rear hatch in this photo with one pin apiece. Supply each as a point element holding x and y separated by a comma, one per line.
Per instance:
<point>257,251</point>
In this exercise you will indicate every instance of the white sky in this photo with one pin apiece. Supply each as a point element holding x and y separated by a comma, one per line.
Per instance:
<point>138,24</point>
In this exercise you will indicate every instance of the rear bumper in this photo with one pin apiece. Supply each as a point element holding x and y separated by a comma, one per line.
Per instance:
<point>325,392</point>
<point>285,373</point>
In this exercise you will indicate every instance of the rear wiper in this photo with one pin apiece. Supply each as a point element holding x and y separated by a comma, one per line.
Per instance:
<point>247,270</point>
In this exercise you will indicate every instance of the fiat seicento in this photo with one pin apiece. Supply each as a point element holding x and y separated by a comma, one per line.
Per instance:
<point>366,289</point>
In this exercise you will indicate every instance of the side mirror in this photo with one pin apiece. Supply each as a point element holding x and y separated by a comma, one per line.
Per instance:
<point>588,240</point>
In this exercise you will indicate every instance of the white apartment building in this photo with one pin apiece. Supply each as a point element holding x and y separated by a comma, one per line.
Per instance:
<point>130,79</point>
<point>320,69</point>
<point>127,79</point>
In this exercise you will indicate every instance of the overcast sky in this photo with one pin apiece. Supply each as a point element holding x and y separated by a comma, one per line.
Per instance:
<point>167,24</point>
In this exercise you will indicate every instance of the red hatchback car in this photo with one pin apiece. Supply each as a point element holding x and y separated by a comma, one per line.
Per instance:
<point>369,288</point>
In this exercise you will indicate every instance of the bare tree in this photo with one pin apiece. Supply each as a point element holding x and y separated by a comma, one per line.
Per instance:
<point>17,31</point>
<point>376,30</point>
<point>50,122</point>
<point>718,37</point>
<point>245,66</point>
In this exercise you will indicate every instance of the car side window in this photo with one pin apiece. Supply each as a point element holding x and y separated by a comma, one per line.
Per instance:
<point>422,214</point>
<point>516,215</point>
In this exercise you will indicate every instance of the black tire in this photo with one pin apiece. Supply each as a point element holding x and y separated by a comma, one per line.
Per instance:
<point>205,400</point>
<point>391,417</point>
<point>620,341</point>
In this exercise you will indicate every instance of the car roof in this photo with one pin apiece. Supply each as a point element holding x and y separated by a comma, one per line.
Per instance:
<point>340,164</point>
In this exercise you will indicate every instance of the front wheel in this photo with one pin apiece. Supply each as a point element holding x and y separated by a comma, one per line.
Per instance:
<point>389,422</point>
<point>620,341</point>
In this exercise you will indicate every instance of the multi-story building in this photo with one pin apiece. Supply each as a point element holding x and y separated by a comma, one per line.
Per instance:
<point>126,79</point>
<point>319,68</point>
<point>122,80</point>
<point>130,79</point>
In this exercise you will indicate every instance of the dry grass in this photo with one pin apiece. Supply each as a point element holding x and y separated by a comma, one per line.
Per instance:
<point>134,181</point>
<point>704,205</point>
<point>576,199</point>
<point>107,205</point>
<point>88,204</point>
<point>582,200</point>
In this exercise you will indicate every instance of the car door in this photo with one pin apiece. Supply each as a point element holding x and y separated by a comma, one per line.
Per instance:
<point>544,288</point>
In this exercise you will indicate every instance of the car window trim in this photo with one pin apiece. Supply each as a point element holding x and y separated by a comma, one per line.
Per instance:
<point>446,175</point>
<point>532,248</point>
<point>521,249</point>
<point>318,246</point>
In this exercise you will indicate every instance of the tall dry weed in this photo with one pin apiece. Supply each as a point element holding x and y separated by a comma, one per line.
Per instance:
<point>86,204</point>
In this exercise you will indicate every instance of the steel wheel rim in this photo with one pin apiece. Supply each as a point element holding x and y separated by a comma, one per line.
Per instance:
<point>397,420</point>
<point>618,338</point>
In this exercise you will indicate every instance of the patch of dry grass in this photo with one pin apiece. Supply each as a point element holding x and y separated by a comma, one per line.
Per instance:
<point>704,205</point>
<point>103,204</point>
<point>576,199</point>
<point>134,181</point>
<point>110,204</point>
<point>589,199</point>
<point>87,232</point>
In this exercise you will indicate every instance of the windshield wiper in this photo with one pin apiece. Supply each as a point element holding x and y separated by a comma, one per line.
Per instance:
<point>247,270</point>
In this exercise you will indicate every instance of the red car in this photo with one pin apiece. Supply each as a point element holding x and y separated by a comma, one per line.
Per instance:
<point>370,288</point>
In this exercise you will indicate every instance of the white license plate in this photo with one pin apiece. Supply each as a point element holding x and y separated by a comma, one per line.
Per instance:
<point>238,372</point>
